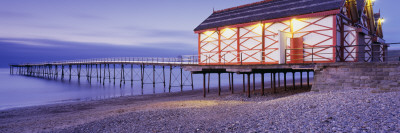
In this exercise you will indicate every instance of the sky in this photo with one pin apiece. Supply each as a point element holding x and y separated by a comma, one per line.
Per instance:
<point>51,30</point>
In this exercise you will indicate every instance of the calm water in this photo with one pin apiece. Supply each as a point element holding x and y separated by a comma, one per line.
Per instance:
<point>21,91</point>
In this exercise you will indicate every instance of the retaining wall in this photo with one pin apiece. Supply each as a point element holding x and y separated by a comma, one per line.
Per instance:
<point>331,77</point>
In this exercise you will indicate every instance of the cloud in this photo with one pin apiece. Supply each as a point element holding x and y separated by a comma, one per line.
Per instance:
<point>16,50</point>
<point>13,14</point>
<point>87,16</point>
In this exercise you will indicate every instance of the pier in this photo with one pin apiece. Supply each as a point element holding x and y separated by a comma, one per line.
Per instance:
<point>119,71</point>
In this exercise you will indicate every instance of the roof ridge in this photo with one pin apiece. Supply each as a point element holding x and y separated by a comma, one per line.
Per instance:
<point>242,6</point>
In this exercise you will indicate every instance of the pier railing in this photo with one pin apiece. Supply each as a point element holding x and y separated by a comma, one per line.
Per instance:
<point>182,60</point>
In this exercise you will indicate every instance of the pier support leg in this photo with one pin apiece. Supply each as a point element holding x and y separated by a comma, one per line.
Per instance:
<point>248,85</point>
<point>70,72</point>
<point>254,83</point>
<point>109,73</point>
<point>131,75</point>
<point>274,82</point>
<point>191,78</point>
<point>284,80</point>
<point>204,84</point>
<point>279,80</point>
<point>301,80</point>
<point>120,81</point>
<point>142,68</point>
<point>181,79</point>
<point>219,84</point>
<point>170,78</point>
<point>308,79</point>
<point>229,79</point>
<point>163,69</point>
<point>209,74</point>
<point>294,81</point>
<point>114,74</point>
<point>97,74</point>
<point>262,84</point>
<point>244,83</point>
<point>104,74</point>
<point>100,72</point>
<point>90,77</point>
<point>232,84</point>
<point>154,76</point>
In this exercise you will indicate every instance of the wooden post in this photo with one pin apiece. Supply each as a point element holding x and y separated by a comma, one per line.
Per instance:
<point>142,68</point>
<point>114,74</point>
<point>104,72</point>
<point>209,74</point>
<point>248,85</point>
<point>232,84</point>
<point>170,78</point>
<point>262,84</point>
<point>191,76</point>
<point>70,72</point>
<point>154,76</point>
<point>308,79</point>
<point>274,82</point>
<point>163,69</point>
<point>132,76</point>
<point>229,78</point>
<point>284,80</point>
<point>204,85</point>
<point>120,80</point>
<point>254,83</point>
<point>244,83</point>
<point>294,81</point>
<point>219,84</point>
<point>100,73</point>
<point>181,80</point>
<point>301,79</point>
<point>279,80</point>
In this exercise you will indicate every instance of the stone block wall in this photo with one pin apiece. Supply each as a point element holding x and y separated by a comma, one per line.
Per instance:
<point>337,76</point>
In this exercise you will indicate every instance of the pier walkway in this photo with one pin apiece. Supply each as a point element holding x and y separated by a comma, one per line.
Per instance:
<point>152,70</point>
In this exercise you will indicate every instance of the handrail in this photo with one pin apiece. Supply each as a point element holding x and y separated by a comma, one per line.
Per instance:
<point>186,59</point>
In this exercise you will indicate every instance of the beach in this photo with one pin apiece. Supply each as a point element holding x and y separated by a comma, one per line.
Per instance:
<point>301,110</point>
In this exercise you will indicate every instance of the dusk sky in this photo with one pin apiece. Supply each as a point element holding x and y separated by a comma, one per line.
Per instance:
<point>49,30</point>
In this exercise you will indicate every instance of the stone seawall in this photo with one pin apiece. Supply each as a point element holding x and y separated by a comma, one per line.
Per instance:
<point>382,76</point>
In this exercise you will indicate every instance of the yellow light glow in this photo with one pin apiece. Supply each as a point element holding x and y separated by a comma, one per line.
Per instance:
<point>208,33</point>
<point>382,20</point>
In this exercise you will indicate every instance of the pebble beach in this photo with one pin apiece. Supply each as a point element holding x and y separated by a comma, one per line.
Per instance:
<point>301,110</point>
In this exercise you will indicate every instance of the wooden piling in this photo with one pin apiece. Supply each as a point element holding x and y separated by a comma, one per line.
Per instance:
<point>274,82</point>
<point>244,83</point>
<point>181,80</point>
<point>254,83</point>
<point>294,81</point>
<point>154,76</point>
<point>301,79</point>
<point>232,84</point>
<point>209,78</point>
<point>284,80</point>
<point>262,84</point>
<point>308,79</point>
<point>219,84</point>
<point>204,85</point>
<point>248,85</point>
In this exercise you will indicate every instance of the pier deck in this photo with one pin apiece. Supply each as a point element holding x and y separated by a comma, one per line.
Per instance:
<point>149,70</point>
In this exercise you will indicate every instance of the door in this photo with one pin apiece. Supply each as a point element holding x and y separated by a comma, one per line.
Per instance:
<point>296,50</point>
<point>284,40</point>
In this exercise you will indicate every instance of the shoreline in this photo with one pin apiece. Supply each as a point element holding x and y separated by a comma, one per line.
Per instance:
<point>237,85</point>
<point>298,110</point>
